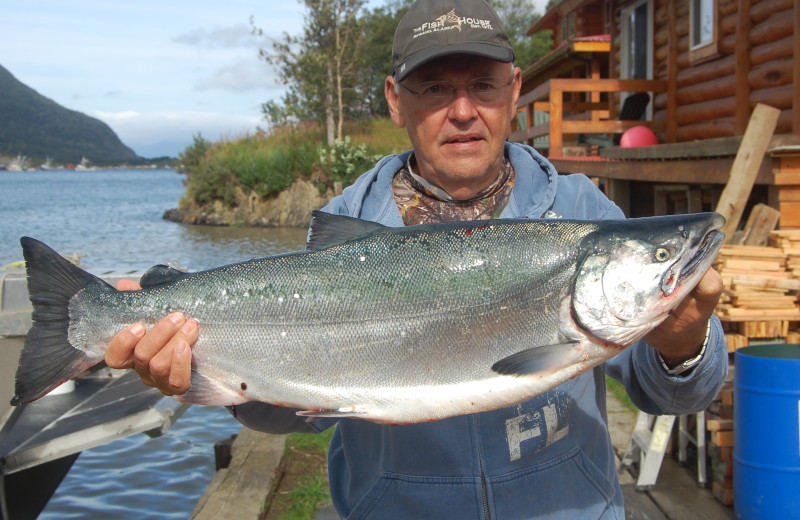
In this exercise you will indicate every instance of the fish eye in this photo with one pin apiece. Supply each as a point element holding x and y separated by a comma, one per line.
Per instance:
<point>662,254</point>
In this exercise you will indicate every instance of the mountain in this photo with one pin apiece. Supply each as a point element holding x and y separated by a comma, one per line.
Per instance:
<point>35,126</point>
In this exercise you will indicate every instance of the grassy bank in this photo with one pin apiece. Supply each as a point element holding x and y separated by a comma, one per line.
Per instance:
<point>267,163</point>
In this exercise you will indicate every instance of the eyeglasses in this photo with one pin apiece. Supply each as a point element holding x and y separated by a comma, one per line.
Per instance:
<point>482,91</point>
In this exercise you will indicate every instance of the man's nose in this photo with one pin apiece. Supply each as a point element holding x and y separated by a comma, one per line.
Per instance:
<point>462,107</point>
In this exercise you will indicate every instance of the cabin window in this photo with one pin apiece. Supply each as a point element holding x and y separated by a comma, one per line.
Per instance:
<point>703,23</point>
<point>568,27</point>
<point>637,48</point>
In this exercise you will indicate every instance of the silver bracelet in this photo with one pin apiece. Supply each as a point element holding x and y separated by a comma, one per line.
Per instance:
<point>689,363</point>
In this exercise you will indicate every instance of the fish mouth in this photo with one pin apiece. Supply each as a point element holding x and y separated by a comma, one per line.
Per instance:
<point>711,243</point>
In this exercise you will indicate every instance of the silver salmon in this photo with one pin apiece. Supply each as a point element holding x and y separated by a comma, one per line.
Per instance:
<point>392,325</point>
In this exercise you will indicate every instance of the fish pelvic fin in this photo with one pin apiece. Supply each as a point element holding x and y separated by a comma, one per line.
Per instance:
<point>48,359</point>
<point>538,360</point>
<point>327,229</point>
<point>204,390</point>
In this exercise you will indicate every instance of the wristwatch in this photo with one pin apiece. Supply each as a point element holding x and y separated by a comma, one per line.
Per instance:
<point>689,363</point>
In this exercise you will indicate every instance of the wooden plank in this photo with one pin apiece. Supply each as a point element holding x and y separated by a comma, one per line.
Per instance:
<point>761,221</point>
<point>715,424</point>
<point>716,147</point>
<point>745,166</point>
<point>789,193</point>
<point>240,491</point>
<point>790,215</point>
<point>787,178</point>
<point>697,171</point>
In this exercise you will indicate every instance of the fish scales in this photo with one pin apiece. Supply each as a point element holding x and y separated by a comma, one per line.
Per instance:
<point>372,305</point>
<point>392,325</point>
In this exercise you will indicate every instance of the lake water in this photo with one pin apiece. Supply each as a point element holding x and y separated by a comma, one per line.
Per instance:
<point>113,218</point>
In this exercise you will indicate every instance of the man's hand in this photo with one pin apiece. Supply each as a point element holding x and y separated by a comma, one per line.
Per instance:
<point>681,335</point>
<point>162,356</point>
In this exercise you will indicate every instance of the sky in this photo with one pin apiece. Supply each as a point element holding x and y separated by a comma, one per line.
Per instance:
<point>157,72</point>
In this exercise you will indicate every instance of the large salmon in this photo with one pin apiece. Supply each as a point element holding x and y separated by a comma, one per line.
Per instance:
<point>396,325</point>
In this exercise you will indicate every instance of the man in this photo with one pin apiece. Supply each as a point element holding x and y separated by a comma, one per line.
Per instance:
<point>455,90</point>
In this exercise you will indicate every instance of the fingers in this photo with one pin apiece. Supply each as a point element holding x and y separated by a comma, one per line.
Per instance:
<point>128,285</point>
<point>119,353</point>
<point>709,288</point>
<point>163,356</point>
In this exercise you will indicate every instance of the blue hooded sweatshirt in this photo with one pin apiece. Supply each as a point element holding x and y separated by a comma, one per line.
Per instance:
<point>547,458</point>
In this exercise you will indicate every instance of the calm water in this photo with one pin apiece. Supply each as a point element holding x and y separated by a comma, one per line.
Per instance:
<point>114,219</point>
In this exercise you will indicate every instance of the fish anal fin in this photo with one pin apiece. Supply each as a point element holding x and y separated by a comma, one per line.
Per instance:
<point>543,359</point>
<point>205,390</point>
<point>331,414</point>
<point>160,275</point>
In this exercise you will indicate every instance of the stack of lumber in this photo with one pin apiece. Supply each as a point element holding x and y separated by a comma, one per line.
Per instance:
<point>760,296</point>
<point>788,240</point>
<point>719,423</point>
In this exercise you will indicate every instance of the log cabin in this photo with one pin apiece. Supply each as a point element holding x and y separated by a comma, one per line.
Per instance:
<point>705,64</point>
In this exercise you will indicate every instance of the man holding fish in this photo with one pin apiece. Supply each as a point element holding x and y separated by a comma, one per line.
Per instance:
<point>455,89</point>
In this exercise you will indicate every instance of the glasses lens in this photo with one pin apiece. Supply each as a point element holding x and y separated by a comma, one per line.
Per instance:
<point>482,91</point>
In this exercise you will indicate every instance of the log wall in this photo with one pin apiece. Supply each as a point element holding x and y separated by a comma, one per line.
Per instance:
<point>713,96</point>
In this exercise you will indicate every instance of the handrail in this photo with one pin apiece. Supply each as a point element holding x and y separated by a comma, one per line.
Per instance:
<point>592,118</point>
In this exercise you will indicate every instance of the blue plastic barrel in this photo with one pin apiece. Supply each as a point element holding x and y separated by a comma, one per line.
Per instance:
<point>766,442</point>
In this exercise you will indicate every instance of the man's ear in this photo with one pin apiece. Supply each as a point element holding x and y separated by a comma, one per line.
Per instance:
<point>393,100</point>
<point>516,86</point>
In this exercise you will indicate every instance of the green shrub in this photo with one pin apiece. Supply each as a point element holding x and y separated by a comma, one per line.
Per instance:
<point>345,162</point>
<point>267,163</point>
<point>210,180</point>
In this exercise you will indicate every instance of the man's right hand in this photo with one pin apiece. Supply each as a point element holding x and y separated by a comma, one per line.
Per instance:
<point>161,356</point>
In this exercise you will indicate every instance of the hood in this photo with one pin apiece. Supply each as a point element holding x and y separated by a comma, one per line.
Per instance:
<point>370,197</point>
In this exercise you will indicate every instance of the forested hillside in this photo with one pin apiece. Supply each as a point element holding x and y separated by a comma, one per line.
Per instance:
<point>35,126</point>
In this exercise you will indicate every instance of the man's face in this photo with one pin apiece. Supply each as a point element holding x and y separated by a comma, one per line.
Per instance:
<point>458,146</point>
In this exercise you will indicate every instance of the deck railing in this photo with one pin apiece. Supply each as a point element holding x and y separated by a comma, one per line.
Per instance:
<point>585,116</point>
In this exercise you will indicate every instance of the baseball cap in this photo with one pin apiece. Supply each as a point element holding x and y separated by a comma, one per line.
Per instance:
<point>434,28</point>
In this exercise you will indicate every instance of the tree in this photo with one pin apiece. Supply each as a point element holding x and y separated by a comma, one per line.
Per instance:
<point>517,16</point>
<point>319,66</point>
<point>335,70</point>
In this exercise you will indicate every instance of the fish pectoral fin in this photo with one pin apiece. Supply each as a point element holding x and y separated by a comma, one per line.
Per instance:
<point>543,359</point>
<point>160,275</point>
<point>205,390</point>
<point>335,414</point>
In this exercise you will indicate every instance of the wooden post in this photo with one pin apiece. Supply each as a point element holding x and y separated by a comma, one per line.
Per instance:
<point>742,50</point>
<point>556,117</point>
<point>746,166</point>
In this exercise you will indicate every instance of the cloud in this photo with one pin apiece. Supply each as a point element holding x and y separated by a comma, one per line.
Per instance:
<point>225,37</point>
<point>240,75</point>
<point>143,130</point>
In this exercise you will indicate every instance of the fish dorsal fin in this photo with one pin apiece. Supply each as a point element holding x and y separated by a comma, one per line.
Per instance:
<point>537,360</point>
<point>327,229</point>
<point>160,275</point>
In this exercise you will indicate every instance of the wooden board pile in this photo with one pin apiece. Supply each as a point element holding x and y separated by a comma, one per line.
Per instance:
<point>761,291</point>
<point>788,240</point>
<point>719,423</point>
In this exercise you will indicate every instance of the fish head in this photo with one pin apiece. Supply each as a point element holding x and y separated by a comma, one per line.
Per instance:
<point>636,271</point>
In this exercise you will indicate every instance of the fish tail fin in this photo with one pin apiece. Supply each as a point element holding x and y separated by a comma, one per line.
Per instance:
<point>48,359</point>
